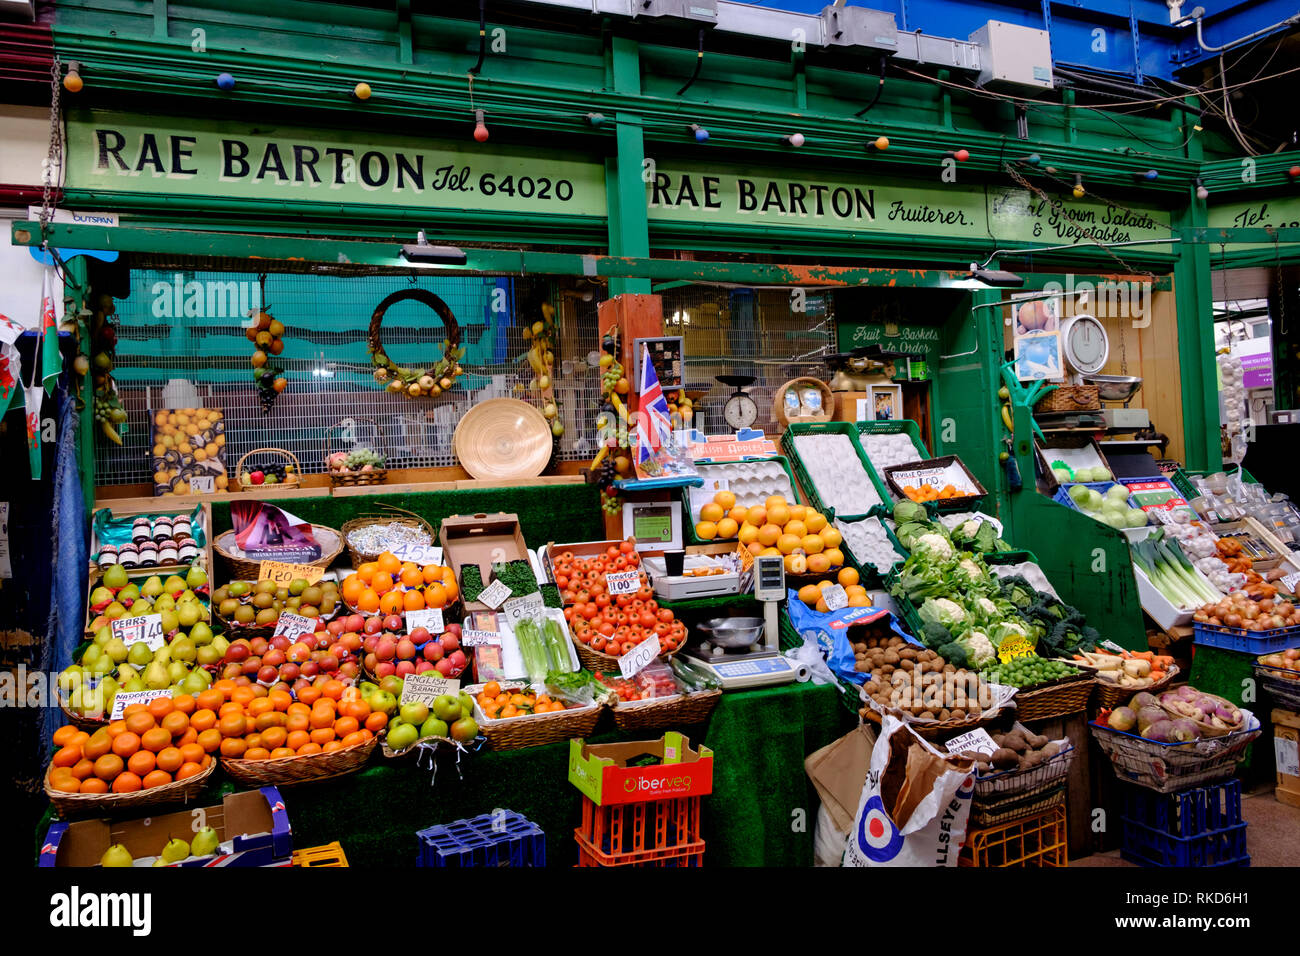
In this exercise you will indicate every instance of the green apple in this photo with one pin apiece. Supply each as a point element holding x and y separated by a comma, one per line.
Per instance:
<point>433,727</point>
<point>383,701</point>
<point>392,684</point>
<point>175,850</point>
<point>447,708</point>
<point>139,654</point>
<point>401,735</point>
<point>116,855</point>
<point>464,730</point>
<point>205,842</point>
<point>415,712</point>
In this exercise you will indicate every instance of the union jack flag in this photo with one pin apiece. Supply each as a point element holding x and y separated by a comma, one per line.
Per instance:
<point>655,427</point>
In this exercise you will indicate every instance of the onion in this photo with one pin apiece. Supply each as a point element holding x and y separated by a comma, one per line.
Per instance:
<point>1233,620</point>
<point>1251,613</point>
<point>1266,605</point>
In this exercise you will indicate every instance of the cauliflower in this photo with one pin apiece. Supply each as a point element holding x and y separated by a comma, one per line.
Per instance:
<point>979,649</point>
<point>942,611</point>
<point>970,529</point>
<point>934,547</point>
<point>970,570</point>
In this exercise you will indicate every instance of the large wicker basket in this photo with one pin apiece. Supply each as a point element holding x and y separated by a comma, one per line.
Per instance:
<point>534,730</point>
<point>376,477</point>
<point>1070,398</point>
<point>1108,696</point>
<point>239,568</point>
<point>286,771</point>
<point>290,481</point>
<point>599,661</point>
<point>102,804</point>
<point>1066,695</point>
<point>391,515</point>
<point>679,711</point>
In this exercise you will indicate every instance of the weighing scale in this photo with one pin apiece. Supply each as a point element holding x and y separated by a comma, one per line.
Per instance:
<point>740,411</point>
<point>1085,347</point>
<point>761,664</point>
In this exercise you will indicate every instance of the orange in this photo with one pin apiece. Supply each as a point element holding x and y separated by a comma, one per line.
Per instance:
<point>233,725</point>
<point>141,763</point>
<point>210,699</point>
<point>93,785</point>
<point>377,721</point>
<point>272,718</point>
<point>848,577</point>
<point>778,515</point>
<point>298,707</point>
<point>392,603</point>
<point>813,543</point>
<point>170,759</point>
<point>725,499</point>
<point>757,516</point>
<point>156,778</point>
<point>352,588</point>
<point>67,757</point>
<point>309,695</point>
<point>188,770</point>
<point>203,720</point>
<point>192,753</point>
<point>768,535</point>
<point>63,736</point>
<point>274,738</point>
<point>815,522</point>
<point>282,752</point>
<point>388,563</point>
<point>296,738</point>
<point>66,784</point>
<point>787,543</point>
<point>160,707</point>
<point>225,685</point>
<point>83,769</point>
<point>127,783</point>
<point>435,595</point>
<point>330,747</point>
<point>798,512</point>
<point>298,721</point>
<point>210,740</point>
<point>116,727</point>
<point>280,699</point>
<point>832,537</point>
<point>492,688</point>
<point>412,577</point>
<point>322,717</point>
<point>796,527</point>
<point>140,721</point>
<point>819,564</point>
<point>382,582</point>
<point>412,601</point>
<point>190,736</point>
<point>155,739</point>
<point>79,738</point>
<point>834,555</point>
<point>108,766</point>
<point>346,725</point>
<point>431,573</point>
<point>351,740</point>
<point>322,735</point>
<point>367,571</point>
<point>260,706</point>
<point>256,753</point>
<point>333,689</point>
<point>175,723</point>
<point>307,749</point>
<point>368,602</point>
<point>451,590</point>
<point>125,744</point>
<point>233,747</point>
<point>242,696</point>
<point>184,703</point>
<point>230,707</point>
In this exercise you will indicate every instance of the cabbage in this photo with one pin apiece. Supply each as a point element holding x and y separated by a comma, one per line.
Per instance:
<point>908,511</point>
<point>1062,475</point>
<point>942,611</point>
<point>932,547</point>
<point>1135,518</point>
<point>1117,493</point>
<point>1092,500</point>
<point>1114,519</point>
<point>1078,494</point>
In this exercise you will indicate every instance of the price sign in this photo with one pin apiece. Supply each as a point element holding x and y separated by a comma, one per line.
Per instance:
<point>635,660</point>
<point>125,698</point>
<point>473,638</point>
<point>528,606</point>
<point>1285,752</point>
<point>1014,647</point>
<point>623,582</point>
<point>419,553</point>
<point>977,740</point>
<point>147,628</point>
<point>835,597</point>
<point>494,595</point>
<point>203,484</point>
<point>1290,581</point>
<point>429,618</point>
<point>426,689</point>
<point>1111,646</point>
<point>282,573</point>
<point>294,626</point>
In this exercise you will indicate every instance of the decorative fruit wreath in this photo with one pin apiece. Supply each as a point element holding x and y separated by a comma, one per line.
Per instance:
<point>414,383</point>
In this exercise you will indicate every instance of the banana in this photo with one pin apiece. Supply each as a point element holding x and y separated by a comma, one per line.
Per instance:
<point>1006,418</point>
<point>548,311</point>
<point>110,432</point>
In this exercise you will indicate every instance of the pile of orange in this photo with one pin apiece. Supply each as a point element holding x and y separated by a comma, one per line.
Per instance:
<point>930,493</point>
<point>389,585</point>
<point>799,534</point>
<point>323,719</point>
<point>848,578</point>
<point>151,745</point>
<point>498,703</point>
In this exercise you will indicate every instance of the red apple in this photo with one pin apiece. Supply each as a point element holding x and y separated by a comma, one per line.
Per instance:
<point>278,685</point>
<point>267,674</point>
<point>404,668</point>
<point>370,661</point>
<point>449,642</point>
<point>386,649</point>
<point>452,629</point>
<point>374,625</point>
<point>458,661</point>
<point>243,680</point>
<point>422,666</point>
<point>238,651</point>
<point>231,670</point>
<point>351,642</point>
<point>443,667</point>
<point>335,627</point>
<point>349,669</point>
<point>259,645</point>
<point>281,642</point>
<point>420,635</point>
<point>328,663</point>
<point>300,685</point>
<point>393,622</point>
<point>384,668</point>
<point>251,666</point>
<point>259,690</point>
<point>309,669</point>
<point>289,672</point>
<point>275,657</point>
<point>355,622</point>
<point>369,643</point>
<point>406,649</point>
<point>298,652</point>
<point>433,652</point>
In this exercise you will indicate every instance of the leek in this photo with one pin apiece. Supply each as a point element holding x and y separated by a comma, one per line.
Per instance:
<point>1187,574</point>
<point>1161,576</point>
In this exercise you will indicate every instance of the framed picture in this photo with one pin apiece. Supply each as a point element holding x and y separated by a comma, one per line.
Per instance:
<point>886,403</point>
<point>1035,315</point>
<point>1038,356</point>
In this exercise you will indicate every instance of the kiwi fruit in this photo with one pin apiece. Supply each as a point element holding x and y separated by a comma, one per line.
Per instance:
<point>245,614</point>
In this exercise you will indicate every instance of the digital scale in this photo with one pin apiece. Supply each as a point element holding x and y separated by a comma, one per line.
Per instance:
<point>761,663</point>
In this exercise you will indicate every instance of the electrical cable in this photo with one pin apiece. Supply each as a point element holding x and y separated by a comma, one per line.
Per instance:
<point>482,38</point>
<point>699,62</point>
<point>880,88</point>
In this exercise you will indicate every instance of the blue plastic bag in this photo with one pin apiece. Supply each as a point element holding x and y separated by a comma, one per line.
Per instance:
<point>831,633</point>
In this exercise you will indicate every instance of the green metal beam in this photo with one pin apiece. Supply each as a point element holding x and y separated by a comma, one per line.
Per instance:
<point>629,230</point>
<point>1196,369</point>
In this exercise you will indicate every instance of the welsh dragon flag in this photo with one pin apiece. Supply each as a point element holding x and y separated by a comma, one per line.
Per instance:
<point>50,357</point>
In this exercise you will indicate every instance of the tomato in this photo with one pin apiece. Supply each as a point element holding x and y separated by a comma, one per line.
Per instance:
<point>611,552</point>
<point>665,615</point>
<point>627,547</point>
<point>582,596</point>
<point>652,605</point>
<point>623,600</point>
<point>621,633</point>
<point>679,631</point>
<point>568,613</point>
<point>597,586</point>
<point>605,628</point>
<point>663,629</point>
<point>602,600</point>
<point>646,593</point>
<point>638,605</point>
<point>598,643</point>
<point>583,636</point>
<point>566,557</point>
<point>561,580</point>
<point>589,611</point>
<point>621,563</point>
<point>614,648</point>
<point>669,644</point>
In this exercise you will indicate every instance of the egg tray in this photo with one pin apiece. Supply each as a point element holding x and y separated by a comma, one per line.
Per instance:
<point>752,482</point>
<point>842,470</point>
<point>870,432</point>
<point>853,554</point>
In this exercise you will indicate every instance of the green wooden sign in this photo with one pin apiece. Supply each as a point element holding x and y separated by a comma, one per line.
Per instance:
<point>1275,213</point>
<point>121,152</point>
<point>892,337</point>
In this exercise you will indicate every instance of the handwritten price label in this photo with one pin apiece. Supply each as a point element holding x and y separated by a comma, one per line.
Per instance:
<point>282,573</point>
<point>146,628</point>
<point>479,638</point>
<point>528,606</point>
<point>294,626</point>
<point>426,689</point>
<point>494,595</point>
<point>429,618</point>
<point>836,597</point>
<point>977,740</point>
<point>636,660</point>
<point>203,484</point>
<point>1014,647</point>
<point>623,582</point>
<point>125,698</point>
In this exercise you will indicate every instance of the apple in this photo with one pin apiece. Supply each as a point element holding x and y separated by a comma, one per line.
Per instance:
<point>458,661</point>
<point>443,667</point>
<point>309,668</point>
<point>289,671</point>
<point>238,651</point>
<point>298,653</point>
<point>384,700</point>
<point>447,707</point>
<point>402,735</point>
<point>420,635</point>
<point>465,729</point>
<point>320,621</point>
<point>328,663</point>
<point>370,661</point>
<point>393,622</point>
<point>259,645</point>
<point>300,685</point>
<point>274,657</point>
<point>433,727</point>
<point>374,625</point>
<point>335,627</point>
<point>414,712</point>
<point>281,642</point>
<point>406,649</point>
<point>252,666</point>
<point>350,669</point>
<point>267,674</point>
<point>231,671</point>
<point>449,642</point>
<point>384,669</point>
<point>432,652</point>
<point>352,642</point>
<point>403,668</point>
<point>452,629</point>
<point>243,680</point>
<point>281,684</point>
<point>385,649</point>
<point>354,623</point>
<point>423,666</point>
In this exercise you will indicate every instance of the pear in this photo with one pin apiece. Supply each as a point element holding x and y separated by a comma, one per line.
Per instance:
<point>155,676</point>
<point>176,671</point>
<point>201,634</point>
<point>125,672</point>
<point>196,577</point>
<point>160,862</point>
<point>152,587</point>
<point>163,655</point>
<point>71,677</point>
<point>165,602</point>
<point>103,635</point>
<point>116,855</point>
<point>116,650</point>
<point>134,684</point>
<point>115,576</point>
<point>193,683</point>
<point>183,649</point>
<point>208,656</point>
<point>175,850</point>
<point>109,684</point>
<point>205,842</point>
<point>221,644</point>
<point>188,613</point>
<point>139,654</point>
<point>173,585</point>
<point>169,620</point>
<point>129,593</point>
<point>114,611</point>
<point>99,596</point>
<point>101,665</point>
<point>92,701</point>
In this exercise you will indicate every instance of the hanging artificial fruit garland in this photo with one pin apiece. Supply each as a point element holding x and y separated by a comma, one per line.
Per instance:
<point>413,383</point>
<point>265,332</point>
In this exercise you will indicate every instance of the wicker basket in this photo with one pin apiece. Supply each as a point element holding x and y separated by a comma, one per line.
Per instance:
<point>534,730</point>
<point>88,724</point>
<point>285,771</point>
<point>376,477</point>
<point>102,804</point>
<point>1070,398</point>
<point>289,482</point>
<point>680,711</point>
<point>392,515</point>
<point>1108,696</point>
<point>242,569</point>
<point>1066,695</point>
<point>995,814</point>
<point>440,743</point>
<point>607,663</point>
<point>929,729</point>
<point>778,402</point>
<point>1166,768</point>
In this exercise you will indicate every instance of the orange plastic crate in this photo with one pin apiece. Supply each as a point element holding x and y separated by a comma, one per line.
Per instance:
<point>647,833</point>
<point>331,854</point>
<point>1031,841</point>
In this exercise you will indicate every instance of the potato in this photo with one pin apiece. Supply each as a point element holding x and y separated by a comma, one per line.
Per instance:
<point>1051,750</point>
<point>956,713</point>
<point>1014,741</point>
<point>944,714</point>
<point>907,664</point>
<point>1005,759</point>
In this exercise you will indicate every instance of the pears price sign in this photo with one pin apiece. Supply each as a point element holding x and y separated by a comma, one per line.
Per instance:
<point>133,630</point>
<point>125,698</point>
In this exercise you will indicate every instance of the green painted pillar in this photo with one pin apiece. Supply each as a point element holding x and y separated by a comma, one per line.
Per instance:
<point>629,229</point>
<point>76,296</point>
<point>1195,323</point>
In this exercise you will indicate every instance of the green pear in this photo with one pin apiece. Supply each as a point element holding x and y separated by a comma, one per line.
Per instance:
<point>139,654</point>
<point>183,649</point>
<point>125,672</point>
<point>221,644</point>
<point>169,620</point>
<point>176,671</point>
<point>130,592</point>
<point>152,587</point>
<point>115,576</point>
<point>103,635</point>
<point>188,613</point>
<point>109,684</point>
<point>92,701</point>
<point>205,842</point>
<point>100,596</point>
<point>71,677</point>
<point>134,684</point>
<point>160,862</point>
<point>194,684</point>
<point>173,585</point>
<point>208,656</point>
<point>196,577</point>
<point>155,676</point>
<point>175,850</point>
<point>163,655</point>
<point>114,611</point>
<point>101,665</point>
<point>116,855</point>
<point>116,650</point>
<point>201,634</point>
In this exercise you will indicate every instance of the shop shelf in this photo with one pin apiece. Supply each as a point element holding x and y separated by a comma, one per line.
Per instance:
<point>970,502</point>
<point>646,832</point>
<point>1187,813</point>
<point>331,854</point>
<point>1248,642</point>
<point>1038,840</point>
<point>1182,480</point>
<point>503,838</point>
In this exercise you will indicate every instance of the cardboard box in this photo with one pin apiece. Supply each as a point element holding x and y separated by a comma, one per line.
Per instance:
<point>200,513</point>
<point>483,540</point>
<point>601,771</point>
<point>1286,751</point>
<point>253,828</point>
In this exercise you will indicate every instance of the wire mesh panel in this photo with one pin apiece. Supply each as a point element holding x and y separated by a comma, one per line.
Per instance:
<point>181,344</point>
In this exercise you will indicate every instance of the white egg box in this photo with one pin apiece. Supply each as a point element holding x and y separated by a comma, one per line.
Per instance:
<point>869,543</point>
<point>752,482</point>
<point>886,450</point>
<point>838,474</point>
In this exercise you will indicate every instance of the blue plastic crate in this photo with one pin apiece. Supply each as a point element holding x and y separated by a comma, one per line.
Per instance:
<point>1248,642</point>
<point>1187,813</point>
<point>1062,495</point>
<point>1148,846</point>
<point>504,838</point>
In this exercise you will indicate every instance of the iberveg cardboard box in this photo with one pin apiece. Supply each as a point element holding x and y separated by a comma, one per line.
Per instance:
<point>601,771</point>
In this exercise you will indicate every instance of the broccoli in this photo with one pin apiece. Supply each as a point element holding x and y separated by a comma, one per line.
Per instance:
<point>934,635</point>
<point>954,654</point>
